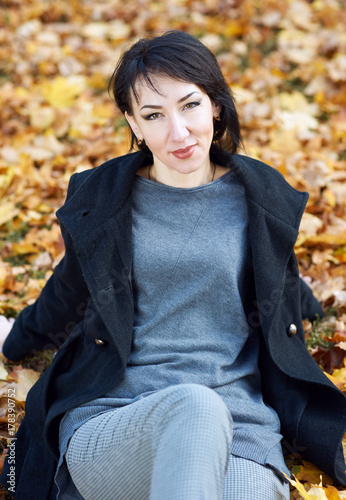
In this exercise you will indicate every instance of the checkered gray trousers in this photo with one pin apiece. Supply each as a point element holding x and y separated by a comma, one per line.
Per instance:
<point>171,445</point>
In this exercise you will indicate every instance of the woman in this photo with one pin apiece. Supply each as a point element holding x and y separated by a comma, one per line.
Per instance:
<point>178,306</point>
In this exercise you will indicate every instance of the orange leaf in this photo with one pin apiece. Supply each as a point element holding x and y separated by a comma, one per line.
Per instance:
<point>332,493</point>
<point>339,337</point>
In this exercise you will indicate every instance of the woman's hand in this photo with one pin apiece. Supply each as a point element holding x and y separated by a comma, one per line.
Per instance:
<point>5,327</point>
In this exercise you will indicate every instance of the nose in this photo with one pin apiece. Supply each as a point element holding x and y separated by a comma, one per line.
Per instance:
<point>178,130</point>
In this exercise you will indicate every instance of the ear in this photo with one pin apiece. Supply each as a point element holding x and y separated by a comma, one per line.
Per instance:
<point>133,125</point>
<point>216,110</point>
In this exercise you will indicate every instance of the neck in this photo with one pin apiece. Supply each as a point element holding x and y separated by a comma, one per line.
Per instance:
<point>174,178</point>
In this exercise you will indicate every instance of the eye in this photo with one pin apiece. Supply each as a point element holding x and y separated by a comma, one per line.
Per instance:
<point>191,105</point>
<point>153,116</point>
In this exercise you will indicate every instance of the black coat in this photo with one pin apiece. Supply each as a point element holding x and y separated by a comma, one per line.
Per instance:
<point>86,308</point>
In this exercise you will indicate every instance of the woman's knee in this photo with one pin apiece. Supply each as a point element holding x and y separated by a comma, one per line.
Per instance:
<point>196,402</point>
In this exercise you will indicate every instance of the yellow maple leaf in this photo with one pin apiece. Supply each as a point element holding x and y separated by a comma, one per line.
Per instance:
<point>61,92</point>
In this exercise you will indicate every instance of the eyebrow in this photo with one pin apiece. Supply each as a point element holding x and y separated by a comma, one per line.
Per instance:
<point>154,106</point>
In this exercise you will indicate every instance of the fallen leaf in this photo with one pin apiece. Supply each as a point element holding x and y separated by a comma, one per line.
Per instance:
<point>310,224</point>
<point>309,472</point>
<point>23,379</point>
<point>332,493</point>
<point>308,496</point>
<point>62,91</point>
<point>3,371</point>
<point>8,211</point>
<point>284,141</point>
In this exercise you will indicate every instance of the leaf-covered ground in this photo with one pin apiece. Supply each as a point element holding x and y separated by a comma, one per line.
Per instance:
<point>285,62</point>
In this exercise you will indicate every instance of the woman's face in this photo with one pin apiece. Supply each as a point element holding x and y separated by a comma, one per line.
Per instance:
<point>176,123</point>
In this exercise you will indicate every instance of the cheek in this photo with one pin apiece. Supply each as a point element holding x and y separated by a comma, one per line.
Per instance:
<point>203,123</point>
<point>155,140</point>
<point>155,137</point>
<point>206,129</point>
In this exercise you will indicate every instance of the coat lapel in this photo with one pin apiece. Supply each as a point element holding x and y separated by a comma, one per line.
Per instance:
<point>99,220</point>
<point>272,244</point>
<point>275,210</point>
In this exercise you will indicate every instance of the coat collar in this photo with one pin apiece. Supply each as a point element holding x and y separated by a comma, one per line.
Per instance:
<point>103,193</point>
<point>266,187</point>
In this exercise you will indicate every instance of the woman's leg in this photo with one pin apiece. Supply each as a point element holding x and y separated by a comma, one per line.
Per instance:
<point>170,445</point>
<point>249,480</point>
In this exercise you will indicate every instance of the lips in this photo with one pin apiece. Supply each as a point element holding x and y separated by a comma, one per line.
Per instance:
<point>184,153</point>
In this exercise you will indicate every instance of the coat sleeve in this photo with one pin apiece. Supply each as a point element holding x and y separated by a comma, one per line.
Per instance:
<point>60,307</point>
<point>311,308</point>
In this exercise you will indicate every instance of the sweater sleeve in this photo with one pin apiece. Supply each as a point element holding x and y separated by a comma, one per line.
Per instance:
<point>60,307</point>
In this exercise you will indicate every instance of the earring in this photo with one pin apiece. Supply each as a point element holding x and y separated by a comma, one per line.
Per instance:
<point>217,118</point>
<point>139,141</point>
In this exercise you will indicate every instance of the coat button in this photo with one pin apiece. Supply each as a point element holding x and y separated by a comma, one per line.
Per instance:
<point>99,342</point>
<point>292,329</point>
